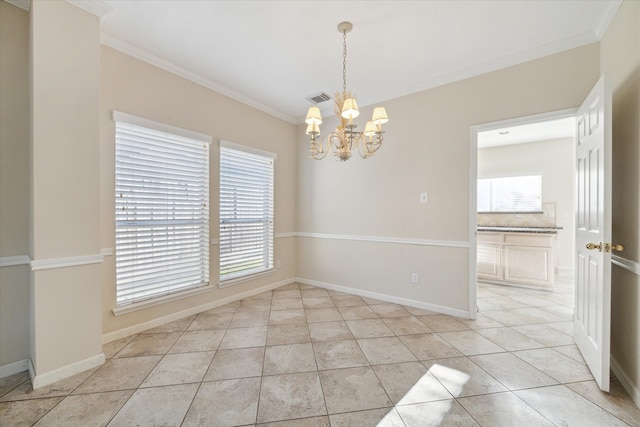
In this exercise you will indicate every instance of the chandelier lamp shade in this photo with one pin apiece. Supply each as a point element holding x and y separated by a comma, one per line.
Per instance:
<point>345,138</point>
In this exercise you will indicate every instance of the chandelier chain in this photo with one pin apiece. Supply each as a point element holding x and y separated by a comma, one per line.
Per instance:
<point>344,62</point>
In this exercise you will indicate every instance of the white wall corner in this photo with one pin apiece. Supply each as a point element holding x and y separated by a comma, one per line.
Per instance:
<point>22,4</point>
<point>41,380</point>
<point>14,368</point>
<point>629,386</point>
<point>94,7</point>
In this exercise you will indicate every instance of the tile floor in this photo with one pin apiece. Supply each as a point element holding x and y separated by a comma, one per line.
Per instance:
<point>304,356</point>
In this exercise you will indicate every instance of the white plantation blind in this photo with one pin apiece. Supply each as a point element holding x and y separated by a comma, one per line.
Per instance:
<point>510,194</point>
<point>162,210</point>
<point>246,211</point>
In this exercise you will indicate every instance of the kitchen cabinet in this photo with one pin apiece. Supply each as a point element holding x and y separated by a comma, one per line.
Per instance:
<point>517,258</point>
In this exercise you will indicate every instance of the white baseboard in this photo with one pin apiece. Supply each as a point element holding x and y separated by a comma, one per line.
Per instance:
<point>140,327</point>
<point>626,382</point>
<point>14,368</point>
<point>387,298</point>
<point>41,380</point>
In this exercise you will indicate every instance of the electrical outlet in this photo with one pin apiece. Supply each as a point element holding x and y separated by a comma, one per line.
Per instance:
<point>278,264</point>
<point>415,278</point>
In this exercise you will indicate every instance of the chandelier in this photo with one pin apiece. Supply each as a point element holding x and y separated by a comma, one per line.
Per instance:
<point>344,139</point>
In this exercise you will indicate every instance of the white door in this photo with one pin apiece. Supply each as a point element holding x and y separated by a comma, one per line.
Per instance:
<point>592,319</point>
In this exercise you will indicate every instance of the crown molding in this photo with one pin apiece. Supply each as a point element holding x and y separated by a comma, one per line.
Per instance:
<point>22,4</point>
<point>94,7</point>
<point>606,18</point>
<point>163,64</point>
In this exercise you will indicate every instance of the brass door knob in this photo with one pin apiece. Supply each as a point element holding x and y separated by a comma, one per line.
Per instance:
<point>592,246</point>
<point>617,247</point>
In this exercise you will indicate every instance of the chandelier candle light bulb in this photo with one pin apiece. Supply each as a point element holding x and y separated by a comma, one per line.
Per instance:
<point>345,138</point>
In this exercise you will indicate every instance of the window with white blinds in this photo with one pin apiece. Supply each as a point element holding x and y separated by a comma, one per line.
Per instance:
<point>510,194</point>
<point>162,209</point>
<point>246,211</point>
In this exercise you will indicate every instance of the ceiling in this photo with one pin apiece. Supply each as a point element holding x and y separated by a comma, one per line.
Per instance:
<point>274,54</point>
<point>530,132</point>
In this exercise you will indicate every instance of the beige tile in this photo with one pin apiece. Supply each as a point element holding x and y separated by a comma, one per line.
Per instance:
<point>470,342</point>
<point>286,304</point>
<point>149,344</point>
<point>373,301</point>
<point>616,401</point>
<point>287,317</point>
<point>254,305</point>
<point>227,308</point>
<point>442,323</point>
<point>12,381</point>
<point>25,413</point>
<point>558,366</point>
<point>225,403</point>
<point>262,296</point>
<point>352,389</point>
<point>357,312</point>
<point>338,354</point>
<point>310,293</point>
<point>286,293</point>
<point>288,359</point>
<point>429,346</point>
<point>369,328</point>
<point>60,388</point>
<point>545,335</point>
<point>156,406</point>
<point>407,383</point>
<point>502,410</point>
<point>329,331</point>
<point>406,326</point>
<point>236,363</point>
<point>119,374</point>
<point>564,327</point>
<point>244,337</point>
<point>180,368</point>
<point>288,396</point>
<point>190,341</point>
<point>418,311</point>
<point>287,287</point>
<point>511,371</point>
<point>317,302</point>
<point>322,315</point>
<point>510,339</point>
<point>347,300</point>
<point>94,409</point>
<point>480,322</point>
<point>385,417</point>
<point>179,325</point>
<point>303,286</point>
<point>571,351</point>
<point>389,310</point>
<point>300,422</point>
<point>112,348</point>
<point>462,377</point>
<point>211,321</point>
<point>564,407</point>
<point>385,350</point>
<point>442,413</point>
<point>245,319</point>
<point>288,334</point>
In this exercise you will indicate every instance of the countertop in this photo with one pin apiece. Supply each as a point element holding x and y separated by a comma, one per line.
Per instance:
<point>512,229</point>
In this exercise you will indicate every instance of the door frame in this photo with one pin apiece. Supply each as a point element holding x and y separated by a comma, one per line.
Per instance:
<point>473,186</point>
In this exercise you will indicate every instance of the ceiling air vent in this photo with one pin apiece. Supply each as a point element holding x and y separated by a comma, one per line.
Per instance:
<point>318,98</point>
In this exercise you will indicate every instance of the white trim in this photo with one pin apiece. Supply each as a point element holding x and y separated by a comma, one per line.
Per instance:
<point>285,235</point>
<point>94,7</point>
<point>626,382</point>
<point>627,264</point>
<point>140,327</point>
<point>22,4</point>
<point>41,380</point>
<point>9,261</point>
<point>246,278</point>
<point>119,116</point>
<point>388,298</point>
<point>106,252</point>
<point>246,149</point>
<point>14,368</point>
<point>610,11</point>
<point>396,240</point>
<point>170,67</point>
<point>136,306</point>
<point>46,264</point>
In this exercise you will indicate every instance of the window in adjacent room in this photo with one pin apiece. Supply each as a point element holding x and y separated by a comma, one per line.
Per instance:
<point>510,194</point>
<point>162,209</point>
<point>246,211</point>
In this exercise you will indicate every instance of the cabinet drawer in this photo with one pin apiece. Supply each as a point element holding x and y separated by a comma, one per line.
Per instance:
<point>489,237</point>
<point>528,240</point>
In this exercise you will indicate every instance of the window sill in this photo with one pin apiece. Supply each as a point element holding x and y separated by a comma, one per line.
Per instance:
<point>243,279</point>
<point>129,308</point>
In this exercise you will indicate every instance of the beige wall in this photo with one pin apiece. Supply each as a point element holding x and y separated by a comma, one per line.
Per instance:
<point>141,89</point>
<point>426,149</point>
<point>620,59</point>
<point>554,161</point>
<point>14,183</point>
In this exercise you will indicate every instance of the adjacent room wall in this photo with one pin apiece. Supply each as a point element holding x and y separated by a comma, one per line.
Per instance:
<point>553,160</point>
<point>14,189</point>
<point>620,59</point>
<point>135,87</point>
<point>426,149</point>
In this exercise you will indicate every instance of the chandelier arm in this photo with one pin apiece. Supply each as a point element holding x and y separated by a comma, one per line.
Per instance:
<point>344,62</point>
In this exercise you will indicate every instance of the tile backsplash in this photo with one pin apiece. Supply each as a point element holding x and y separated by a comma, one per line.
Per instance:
<point>545,219</point>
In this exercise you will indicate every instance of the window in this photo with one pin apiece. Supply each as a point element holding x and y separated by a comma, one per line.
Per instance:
<point>162,209</point>
<point>246,211</point>
<point>510,194</point>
